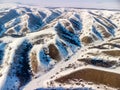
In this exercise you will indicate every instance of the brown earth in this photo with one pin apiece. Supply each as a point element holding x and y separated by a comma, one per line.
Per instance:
<point>95,76</point>
<point>70,29</point>
<point>25,30</point>
<point>104,32</point>
<point>53,52</point>
<point>87,39</point>
<point>34,62</point>
<point>114,53</point>
<point>67,26</point>
<point>11,31</point>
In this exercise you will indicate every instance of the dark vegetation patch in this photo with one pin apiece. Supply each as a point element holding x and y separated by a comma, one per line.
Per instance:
<point>62,88</point>
<point>76,24</point>
<point>118,38</point>
<point>9,16</point>
<point>97,62</point>
<point>103,46</point>
<point>66,35</point>
<point>22,62</point>
<point>20,67</point>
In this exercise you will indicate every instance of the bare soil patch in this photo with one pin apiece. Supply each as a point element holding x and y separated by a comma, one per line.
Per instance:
<point>92,75</point>
<point>87,39</point>
<point>34,62</point>
<point>53,52</point>
<point>114,53</point>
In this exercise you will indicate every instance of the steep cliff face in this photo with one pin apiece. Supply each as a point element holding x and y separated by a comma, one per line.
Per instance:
<point>40,42</point>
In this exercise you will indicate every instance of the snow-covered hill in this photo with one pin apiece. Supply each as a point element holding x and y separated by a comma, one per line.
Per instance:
<point>50,48</point>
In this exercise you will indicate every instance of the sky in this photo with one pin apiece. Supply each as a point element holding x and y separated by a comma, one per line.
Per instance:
<point>105,4</point>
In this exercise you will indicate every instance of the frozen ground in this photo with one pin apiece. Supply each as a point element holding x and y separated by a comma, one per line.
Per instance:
<point>44,48</point>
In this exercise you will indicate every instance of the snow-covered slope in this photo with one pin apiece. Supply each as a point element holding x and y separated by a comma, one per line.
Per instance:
<point>40,47</point>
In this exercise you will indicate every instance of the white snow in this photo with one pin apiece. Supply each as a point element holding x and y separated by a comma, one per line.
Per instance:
<point>61,39</point>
